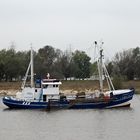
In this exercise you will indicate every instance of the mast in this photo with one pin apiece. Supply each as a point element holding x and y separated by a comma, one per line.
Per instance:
<point>100,66</point>
<point>102,69</point>
<point>32,69</point>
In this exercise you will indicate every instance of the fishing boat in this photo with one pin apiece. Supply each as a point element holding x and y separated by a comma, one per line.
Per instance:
<point>45,94</point>
<point>34,95</point>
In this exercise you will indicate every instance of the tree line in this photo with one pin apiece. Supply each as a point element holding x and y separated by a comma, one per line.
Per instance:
<point>60,64</point>
<point>126,64</point>
<point>66,64</point>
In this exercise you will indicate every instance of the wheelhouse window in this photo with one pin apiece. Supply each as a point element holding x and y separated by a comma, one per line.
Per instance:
<point>55,85</point>
<point>45,86</point>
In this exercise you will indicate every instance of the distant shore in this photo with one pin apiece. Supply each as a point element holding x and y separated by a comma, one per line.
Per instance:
<point>68,87</point>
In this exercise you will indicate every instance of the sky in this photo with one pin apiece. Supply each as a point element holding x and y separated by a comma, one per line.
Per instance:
<point>74,24</point>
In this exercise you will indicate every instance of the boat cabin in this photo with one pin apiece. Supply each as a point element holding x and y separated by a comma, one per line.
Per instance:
<point>44,90</point>
<point>50,89</point>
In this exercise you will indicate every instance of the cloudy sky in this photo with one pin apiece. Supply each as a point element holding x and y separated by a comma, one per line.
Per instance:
<point>75,23</point>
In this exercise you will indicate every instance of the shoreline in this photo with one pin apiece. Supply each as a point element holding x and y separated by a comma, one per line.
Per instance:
<point>68,87</point>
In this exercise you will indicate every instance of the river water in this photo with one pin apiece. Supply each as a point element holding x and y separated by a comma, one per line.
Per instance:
<point>90,124</point>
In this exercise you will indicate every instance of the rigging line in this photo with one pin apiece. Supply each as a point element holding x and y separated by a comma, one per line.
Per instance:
<point>93,56</point>
<point>87,67</point>
<point>82,74</point>
<point>107,81</point>
<point>96,54</point>
<point>26,75</point>
<point>109,56</point>
<point>111,84</point>
<point>96,70</point>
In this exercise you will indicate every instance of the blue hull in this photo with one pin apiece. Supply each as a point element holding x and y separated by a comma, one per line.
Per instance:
<point>12,103</point>
<point>117,101</point>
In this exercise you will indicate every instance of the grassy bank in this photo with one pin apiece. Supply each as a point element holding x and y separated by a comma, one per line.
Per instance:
<point>10,85</point>
<point>93,85</point>
<point>132,84</point>
<point>75,85</point>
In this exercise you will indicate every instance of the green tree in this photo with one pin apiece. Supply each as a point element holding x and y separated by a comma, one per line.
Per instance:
<point>93,69</point>
<point>66,64</point>
<point>109,67</point>
<point>23,58</point>
<point>2,63</point>
<point>136,61</point>
<point>124,64</point>
<point>117,82</point>
<point>44,61</point>
<point>11,66</point>
<point>82,64</point>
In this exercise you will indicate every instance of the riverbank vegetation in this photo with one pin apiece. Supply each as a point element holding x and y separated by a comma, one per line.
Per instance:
<point>76,85</point>
<point>75,67</point>
<point>67,64</point>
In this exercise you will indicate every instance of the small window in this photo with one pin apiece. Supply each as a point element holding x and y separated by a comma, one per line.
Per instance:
<point>56,85</point>
<point>45,86</point>
<point>44,98</point>
<point>53,85</point>
<point>35,90</point>
<point>38,85</point>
